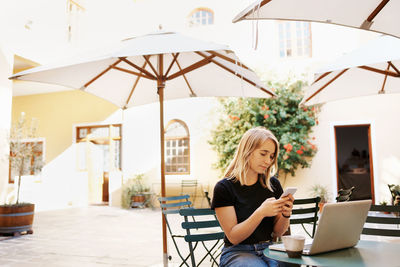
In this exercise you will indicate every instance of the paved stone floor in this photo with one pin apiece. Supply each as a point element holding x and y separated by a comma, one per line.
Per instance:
<point>90,236</point>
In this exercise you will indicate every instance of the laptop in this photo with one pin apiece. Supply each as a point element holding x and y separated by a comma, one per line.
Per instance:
<point>340,226</point>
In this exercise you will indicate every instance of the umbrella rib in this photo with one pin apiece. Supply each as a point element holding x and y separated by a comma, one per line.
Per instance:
<point>322,76</point>
<point>134,86</point>
<point>172,63</point>
<point>382,91</point>
<point>101,73</point>
<point>192,67</point>
<point>151,66</point>
<point>187,82</point>
<point>394,67</point>
<point>328,83</point>
<point>240,76</point>
<point>134,73</point>
<point>228,59</point>
<point>139,68</point>
<point>384,72</point>
<point>264,2</point>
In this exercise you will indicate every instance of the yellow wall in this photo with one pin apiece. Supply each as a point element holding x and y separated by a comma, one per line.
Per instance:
<point>58,112</point>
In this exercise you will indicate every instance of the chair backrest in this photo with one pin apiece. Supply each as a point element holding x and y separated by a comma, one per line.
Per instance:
<point>344,194</point>
<point>189,187</point>
<point>391,221</point>
<point>305,210</point>
<point>172,205</point>
<point>210,231</point>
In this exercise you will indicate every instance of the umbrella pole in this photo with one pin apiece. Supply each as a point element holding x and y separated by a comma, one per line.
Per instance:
<point>160,91</point>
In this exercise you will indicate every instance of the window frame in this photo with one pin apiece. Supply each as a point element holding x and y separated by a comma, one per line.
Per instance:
<point>110,137</point>
<point>193,22</point>
<point>177,138</point>
<point>288,33</point>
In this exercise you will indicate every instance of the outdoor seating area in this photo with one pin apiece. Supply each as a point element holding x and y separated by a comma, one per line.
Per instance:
<point>116,135</point>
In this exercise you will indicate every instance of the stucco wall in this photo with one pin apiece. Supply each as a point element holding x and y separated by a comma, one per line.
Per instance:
<point>5,119</point>
<point>381,112</point>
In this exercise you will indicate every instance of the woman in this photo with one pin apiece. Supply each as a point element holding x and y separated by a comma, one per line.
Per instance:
<point>248,204</point>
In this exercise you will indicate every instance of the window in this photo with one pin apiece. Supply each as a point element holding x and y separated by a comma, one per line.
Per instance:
<point>107,139</point>
<point>294,39</point>
<point>177,148</point>
<point>201,17</point>
<point>33,158</point>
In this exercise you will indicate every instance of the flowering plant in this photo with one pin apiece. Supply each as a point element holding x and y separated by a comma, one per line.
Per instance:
<point>289,122</point>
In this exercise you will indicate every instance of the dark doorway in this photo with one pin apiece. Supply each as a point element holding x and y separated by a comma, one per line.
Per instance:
<point>354,160</point>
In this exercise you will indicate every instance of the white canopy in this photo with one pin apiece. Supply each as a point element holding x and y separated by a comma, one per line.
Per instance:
<point>200,69</point>
<point>374,15</point>
<point>371,69</point>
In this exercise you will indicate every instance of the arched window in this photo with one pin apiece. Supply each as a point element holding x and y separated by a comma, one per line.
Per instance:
<point>201,16</point>
<point>177,148</point>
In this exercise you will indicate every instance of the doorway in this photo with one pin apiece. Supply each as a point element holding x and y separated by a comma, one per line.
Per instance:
<point>354,160</point>
<point>101,154</point>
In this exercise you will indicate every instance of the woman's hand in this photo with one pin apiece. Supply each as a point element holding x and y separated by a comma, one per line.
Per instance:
<point>288,205</point>
<point>271,207</point>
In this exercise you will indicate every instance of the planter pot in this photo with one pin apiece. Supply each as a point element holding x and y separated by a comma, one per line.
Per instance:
<point>321,206</point>
<point>15,219</point>
<point>138,198</point>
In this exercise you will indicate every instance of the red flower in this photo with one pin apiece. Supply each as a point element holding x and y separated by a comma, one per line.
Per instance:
<point>299,152</point>
<point>305,109</point>
<point>265,107</point>
<point>302,147</point>
<point>313,109</point>
<point>266,116</point>
<point>234,118</point>
<point>313,147</point>
<point>288,147</point>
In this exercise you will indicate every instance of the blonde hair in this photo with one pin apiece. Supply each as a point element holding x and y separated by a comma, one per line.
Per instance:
<point>239,166</point>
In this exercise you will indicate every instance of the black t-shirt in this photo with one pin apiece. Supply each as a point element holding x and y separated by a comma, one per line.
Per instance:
<point>246,199</point>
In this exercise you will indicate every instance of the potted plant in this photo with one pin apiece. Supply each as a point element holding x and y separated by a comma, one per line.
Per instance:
<point>135,192</point>
<point>322,192</point>
<point>17,217</point>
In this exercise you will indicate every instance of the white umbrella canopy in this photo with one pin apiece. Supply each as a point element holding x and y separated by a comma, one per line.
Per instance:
<point>371,69</point>
<point>154,67</point>
<point>200,69</point>
<point>374,15</point>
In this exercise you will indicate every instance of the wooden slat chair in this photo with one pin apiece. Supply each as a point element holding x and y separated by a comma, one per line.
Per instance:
<point>383,220</point>
<point>195,233</point>
<point>305,215</point>
<point>170,206</point>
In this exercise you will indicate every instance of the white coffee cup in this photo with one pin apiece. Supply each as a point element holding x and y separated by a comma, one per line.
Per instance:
<point>294,245</point>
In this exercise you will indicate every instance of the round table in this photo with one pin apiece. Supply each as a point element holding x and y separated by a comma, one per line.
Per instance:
<point>365,253</point>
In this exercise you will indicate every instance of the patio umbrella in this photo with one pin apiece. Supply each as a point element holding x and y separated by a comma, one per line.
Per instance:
<point>155,67</point>
<point>371,69</point>
<point>374,15</point>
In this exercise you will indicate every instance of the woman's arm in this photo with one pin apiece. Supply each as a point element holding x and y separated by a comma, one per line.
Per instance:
<point>281,224</point>
<point>237,232</point>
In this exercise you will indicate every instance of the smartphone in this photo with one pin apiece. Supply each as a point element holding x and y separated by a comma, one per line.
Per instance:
<point>289,190</point>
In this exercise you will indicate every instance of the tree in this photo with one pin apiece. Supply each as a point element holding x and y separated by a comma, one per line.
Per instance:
<point>23,149</point>
<point>290,123</point>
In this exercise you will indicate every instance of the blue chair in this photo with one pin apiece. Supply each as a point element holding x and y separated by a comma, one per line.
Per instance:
<point>170,206</point>
<point>195,233</point>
